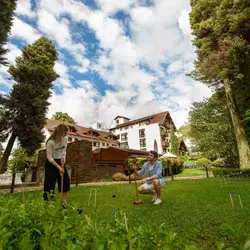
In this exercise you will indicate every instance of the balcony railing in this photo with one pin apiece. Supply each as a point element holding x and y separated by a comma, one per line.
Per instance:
<point>165,144</point>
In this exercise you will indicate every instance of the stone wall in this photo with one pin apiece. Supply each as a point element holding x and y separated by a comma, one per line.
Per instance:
<point>79,157</point>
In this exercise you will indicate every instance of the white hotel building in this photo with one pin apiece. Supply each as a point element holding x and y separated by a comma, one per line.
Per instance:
<point>147,133</point>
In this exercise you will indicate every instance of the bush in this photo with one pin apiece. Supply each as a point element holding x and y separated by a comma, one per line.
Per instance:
<point>218,163</point>
<point>23,226</point>
<point>231,172</point>
<point>203,162</point>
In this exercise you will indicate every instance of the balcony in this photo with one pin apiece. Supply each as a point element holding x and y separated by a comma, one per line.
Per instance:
<point>164,133</point>
<point>165,144</point>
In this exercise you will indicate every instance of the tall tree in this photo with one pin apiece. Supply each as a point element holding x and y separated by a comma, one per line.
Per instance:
<point>25,108</point>
<point>174,140</point>
<point>210,130</point>
<point>7,8</point>
<point>1,150</point>
<point>64,117</point>
<point>222,38</point>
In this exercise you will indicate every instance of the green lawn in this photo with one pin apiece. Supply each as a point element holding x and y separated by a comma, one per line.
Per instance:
<point>193,172</point>
<point>198,210</point>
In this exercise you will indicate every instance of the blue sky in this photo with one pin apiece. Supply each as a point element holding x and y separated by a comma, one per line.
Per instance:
<point>126,57</point>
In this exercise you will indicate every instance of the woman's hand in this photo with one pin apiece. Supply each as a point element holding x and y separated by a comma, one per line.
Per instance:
<point>61,170</point>
<point>62,161</point>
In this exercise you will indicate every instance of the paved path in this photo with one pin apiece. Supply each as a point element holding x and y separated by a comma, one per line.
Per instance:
<point>21,189</point>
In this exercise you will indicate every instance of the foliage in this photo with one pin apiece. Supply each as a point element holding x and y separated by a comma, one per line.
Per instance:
<point>19,160</point>
<point>218,163</point>
<point>7,8</point>
<point>68,166</point>
<point>222,36</point>
<point>1,150</point>
<point>175,164</point>
<point>117,224</point>
<point>203,162</point>
<point>60,116</point>
<point>210,130</point>
<point>223,41</point>
<point>174,141</point>
<point>231,172</point>
<point>26,107</point>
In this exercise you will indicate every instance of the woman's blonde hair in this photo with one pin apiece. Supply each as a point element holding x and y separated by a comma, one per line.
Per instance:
<point>58,134</point>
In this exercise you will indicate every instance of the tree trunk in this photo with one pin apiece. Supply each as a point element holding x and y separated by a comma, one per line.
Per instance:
<point>6,154</point>
<point>240,134</point>
<point>13,182</point>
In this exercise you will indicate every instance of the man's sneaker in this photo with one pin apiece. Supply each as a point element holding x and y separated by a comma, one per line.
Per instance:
<point>154,197</point>
<point>158,201</point>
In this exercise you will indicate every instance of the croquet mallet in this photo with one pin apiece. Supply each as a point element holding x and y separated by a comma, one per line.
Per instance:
<point>62,179</point>
<point>137,202</point>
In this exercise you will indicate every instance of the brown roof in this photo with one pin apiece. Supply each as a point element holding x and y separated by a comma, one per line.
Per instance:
<point>156,118</point>
<point>82,131</point>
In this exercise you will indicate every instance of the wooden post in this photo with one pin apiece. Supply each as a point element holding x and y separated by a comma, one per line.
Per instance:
<point>171,172</point>
<point>207,172</point>
<point>77,177</point>
<point>13,182</point>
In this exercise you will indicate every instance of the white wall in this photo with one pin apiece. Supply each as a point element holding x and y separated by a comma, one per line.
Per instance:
<point>133,137</point>
<point>152,132</point>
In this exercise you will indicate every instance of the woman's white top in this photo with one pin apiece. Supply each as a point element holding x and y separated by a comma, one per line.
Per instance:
<point>56,150</point>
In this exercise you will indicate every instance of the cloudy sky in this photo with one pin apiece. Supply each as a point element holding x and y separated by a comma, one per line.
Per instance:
<point>116,57</point>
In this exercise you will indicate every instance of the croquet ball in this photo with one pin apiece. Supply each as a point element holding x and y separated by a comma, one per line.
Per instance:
<point>79,210</point>
<point>114,195</point>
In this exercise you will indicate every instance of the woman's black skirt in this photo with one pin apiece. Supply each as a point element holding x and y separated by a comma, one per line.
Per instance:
<point>52,174</point>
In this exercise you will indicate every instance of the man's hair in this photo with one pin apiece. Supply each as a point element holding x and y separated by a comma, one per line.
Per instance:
<point>154,153</point>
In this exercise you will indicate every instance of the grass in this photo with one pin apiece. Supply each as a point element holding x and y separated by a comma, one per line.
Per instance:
<point>193,172</point>
<point>198,210</point>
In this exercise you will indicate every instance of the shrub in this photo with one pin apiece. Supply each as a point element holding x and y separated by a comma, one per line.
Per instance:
<point>218,163</point>
<point>231,172</point>
<point>203,162</point>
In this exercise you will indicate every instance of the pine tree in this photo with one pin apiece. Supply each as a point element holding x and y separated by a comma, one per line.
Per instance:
<point>7,8</point>
<point>26,106</point>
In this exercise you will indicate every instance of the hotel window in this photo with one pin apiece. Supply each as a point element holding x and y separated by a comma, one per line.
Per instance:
<point>142,133</point>
<point>124,137</point>
<point>76,139</point>
<point>69,139</point>
<point>143,143</point>
<point>96,144</point>
<point>118,137</point>
<point>107,144</point>
<point>103,144</point>
<point>124,145</point>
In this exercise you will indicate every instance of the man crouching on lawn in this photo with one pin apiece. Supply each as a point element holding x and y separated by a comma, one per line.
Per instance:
<point>154,181</point>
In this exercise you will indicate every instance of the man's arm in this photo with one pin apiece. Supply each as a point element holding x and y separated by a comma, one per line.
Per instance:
<point>139,173</point>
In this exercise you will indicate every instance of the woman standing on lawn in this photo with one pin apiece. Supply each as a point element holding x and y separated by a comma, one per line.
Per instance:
<point>56,147</point>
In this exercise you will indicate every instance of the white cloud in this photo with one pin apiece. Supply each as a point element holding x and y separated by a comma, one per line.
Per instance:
<point>80,103</point>
<point>24,31</point>
<point>112,6</point>
<point>134,65</point>
<point>175,66</point>
<point>24,8</point>
<point>184,24</point>
<point>11,56</point>
<point>63,79</point>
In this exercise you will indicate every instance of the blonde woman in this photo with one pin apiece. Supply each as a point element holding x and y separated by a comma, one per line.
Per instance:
<point>56,147</point>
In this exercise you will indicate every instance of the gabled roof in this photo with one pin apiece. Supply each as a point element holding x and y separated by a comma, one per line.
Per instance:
<point>81,131</point>
<point>156,118</point>
<point>122,117</point>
